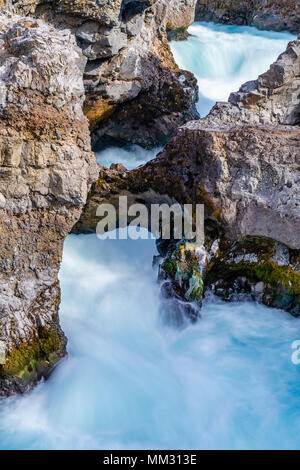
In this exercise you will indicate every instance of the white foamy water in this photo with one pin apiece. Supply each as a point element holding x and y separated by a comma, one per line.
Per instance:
<point>130,382</point>
<point>224,57</point>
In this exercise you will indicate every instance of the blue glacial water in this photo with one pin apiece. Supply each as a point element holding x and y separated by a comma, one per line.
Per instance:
<point>224,57</point>
<point>132,382</point>
<point>129,381</point>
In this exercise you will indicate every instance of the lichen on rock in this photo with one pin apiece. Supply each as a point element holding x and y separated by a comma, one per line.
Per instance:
<point>241,162</point>
<point>134,90</point>
<point>260,269</point>
<point>186,266</point>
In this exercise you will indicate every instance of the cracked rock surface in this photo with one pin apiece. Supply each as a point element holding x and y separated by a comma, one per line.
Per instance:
<point>134,90</point>
<point>46,169</point>
<point>276,15</point>
<point>243,163</point>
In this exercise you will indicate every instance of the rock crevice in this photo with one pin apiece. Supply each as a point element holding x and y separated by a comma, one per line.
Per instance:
<point>242,163</point>
<point>275,15</point>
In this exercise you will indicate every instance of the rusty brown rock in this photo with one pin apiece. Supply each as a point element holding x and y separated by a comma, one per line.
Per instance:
<point>46,169</point>
<point>135,91</point>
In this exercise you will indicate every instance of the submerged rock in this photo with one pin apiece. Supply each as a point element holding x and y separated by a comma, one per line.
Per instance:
<point>46,167</point>
<point>242,163</point>
<point>181,15</point>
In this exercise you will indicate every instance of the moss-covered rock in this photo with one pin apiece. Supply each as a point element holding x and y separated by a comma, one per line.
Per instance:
<point>255,268</point>
<point>260,269</point>
<point>26,358</point>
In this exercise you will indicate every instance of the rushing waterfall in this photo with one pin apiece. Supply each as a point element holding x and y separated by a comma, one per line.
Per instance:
<point>224,57</point>
<point>131,381</point>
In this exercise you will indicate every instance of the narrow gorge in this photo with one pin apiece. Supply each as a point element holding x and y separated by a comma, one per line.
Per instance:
<point>122,343</point>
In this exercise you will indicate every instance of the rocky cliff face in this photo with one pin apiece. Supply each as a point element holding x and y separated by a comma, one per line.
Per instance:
<point>46,167</point>
<point>242,163</point>
<point>134,90</point>
<point>276,15</point>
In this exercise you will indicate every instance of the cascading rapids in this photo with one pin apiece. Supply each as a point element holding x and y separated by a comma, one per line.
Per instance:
<point>224,57</point>
<point>132,382</point>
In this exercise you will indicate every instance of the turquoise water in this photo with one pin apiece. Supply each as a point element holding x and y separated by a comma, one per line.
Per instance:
<point>224,57</point>
<point>130,156</point>
<point>131,382</point>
